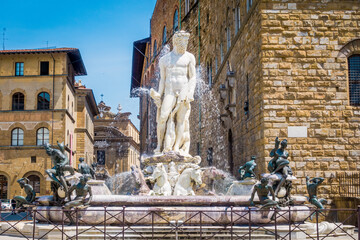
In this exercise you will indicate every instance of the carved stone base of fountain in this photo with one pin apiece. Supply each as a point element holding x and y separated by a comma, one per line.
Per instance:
<point>168,157</point>
<point>169,208</point>
<point>138,215</point>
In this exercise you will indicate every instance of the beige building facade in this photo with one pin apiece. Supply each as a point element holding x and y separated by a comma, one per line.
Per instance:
<point>41,103</point>
<point>116,141</point>
<point>271,68</point>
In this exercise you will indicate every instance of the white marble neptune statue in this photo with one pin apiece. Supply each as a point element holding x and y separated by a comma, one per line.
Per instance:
<point>176,91</point>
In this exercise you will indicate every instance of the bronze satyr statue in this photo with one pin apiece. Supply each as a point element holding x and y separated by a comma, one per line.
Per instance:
<point>82,189</point>
<point>85,169</point>
<point>30,193</point>
<point>61,164</point>
<point>312,186</point>
<point>247,170</point>
<point>263,189</point>
<point>280,164</point>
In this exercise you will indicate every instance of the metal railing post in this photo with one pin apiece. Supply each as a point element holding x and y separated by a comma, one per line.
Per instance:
<point>232,222</point>
<point>77,223</point>
<point>249,209</point>
<point>200,225</point>
<point>123,220</point>
<point>317,224</point>
<point>358,221</point>
<point>62,221</point>
<point>289,223</point>
<point>152,225</point>
<point>275,220</point>
<point>104,222</point>
<point>34,222</point>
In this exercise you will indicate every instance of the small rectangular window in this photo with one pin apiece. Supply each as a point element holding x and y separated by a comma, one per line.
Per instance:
<point>237,19</point>
<point>19,69</point>
<point>209,156</point>
<point>198,148</point>
<point>44,68</point>
<point>228,38</point>
<point>221,53</point>
<point>33,159</point>
<point>101,157</point>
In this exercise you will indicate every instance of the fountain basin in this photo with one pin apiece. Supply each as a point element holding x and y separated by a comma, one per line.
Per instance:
<point>137,215</point>
<point>136,200</point>
<point>143,210</point>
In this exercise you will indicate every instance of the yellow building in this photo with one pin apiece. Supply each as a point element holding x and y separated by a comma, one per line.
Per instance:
<point>41,102</point>
<point>117,145</point>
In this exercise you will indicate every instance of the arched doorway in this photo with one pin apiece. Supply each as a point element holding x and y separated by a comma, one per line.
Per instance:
<point>231,158</point>
<point>34,181</point>
<point>3,187</point>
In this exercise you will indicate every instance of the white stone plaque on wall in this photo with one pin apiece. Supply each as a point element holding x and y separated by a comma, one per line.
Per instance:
<point>297,131</point>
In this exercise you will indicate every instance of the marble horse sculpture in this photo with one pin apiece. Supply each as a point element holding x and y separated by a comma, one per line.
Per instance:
<point>162,185</point>
<point>142,187</point>
<point>173,98</point>
<point>30,193</point>
<point>209,176</point>
<point>188,177</point>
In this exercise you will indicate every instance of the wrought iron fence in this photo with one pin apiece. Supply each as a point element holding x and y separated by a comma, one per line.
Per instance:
<point>194,224</point>
<point>349,184</point>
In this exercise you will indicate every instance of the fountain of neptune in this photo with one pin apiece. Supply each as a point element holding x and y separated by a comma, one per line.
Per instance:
<point>174,174</point>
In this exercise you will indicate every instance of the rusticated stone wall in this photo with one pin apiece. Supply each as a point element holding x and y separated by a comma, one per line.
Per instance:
<point>305,84</point>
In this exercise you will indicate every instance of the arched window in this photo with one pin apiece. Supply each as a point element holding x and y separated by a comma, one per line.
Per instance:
<point>34,181</point>
<point>176,21</point>
<point>17,137</point>
<point>43,101</point>
<point>42,136</point>
<point>354,79</point>
<point>237,19</point>
<point>164,36</point>
<point>18,101</point>
<point>155,48</point>
<point>3,187</point>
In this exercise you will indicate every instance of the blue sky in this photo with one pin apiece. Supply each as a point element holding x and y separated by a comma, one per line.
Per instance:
<point>103,30</point>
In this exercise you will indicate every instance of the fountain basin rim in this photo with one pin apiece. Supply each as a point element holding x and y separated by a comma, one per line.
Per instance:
<point>124,200</point>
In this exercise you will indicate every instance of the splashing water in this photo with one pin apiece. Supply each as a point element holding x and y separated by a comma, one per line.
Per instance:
<point>140,91</point>
<point>222,180</point>
<point>101,144</point>
<point>207,106</point>
<point>122,184</point>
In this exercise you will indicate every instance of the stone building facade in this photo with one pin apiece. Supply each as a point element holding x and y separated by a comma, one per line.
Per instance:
<point>116,141</point>
<point>272,68</point>
<point>40,102</point>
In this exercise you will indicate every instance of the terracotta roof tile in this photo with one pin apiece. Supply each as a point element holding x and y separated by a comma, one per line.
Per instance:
<point>38,50</point>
